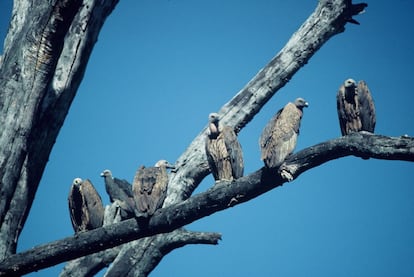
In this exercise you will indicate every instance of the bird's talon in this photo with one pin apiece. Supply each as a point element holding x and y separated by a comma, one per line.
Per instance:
<point>286,175</point>
<point>232,202</point>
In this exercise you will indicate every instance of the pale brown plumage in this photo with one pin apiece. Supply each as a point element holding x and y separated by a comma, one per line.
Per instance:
<point>150,187</point>
<point>85,206</point>
<point>224,153</point>
<point>355,106</point>
<point>279,137</point>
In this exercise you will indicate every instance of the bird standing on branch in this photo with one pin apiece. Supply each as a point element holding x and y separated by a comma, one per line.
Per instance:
<point>85,206</point>
<point>119,190</point>
<point>279,137</point>
<point>224,152</point>
<point>150,188</point>
<point>355,106</point>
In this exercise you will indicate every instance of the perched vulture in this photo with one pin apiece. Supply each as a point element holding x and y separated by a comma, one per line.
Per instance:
<point>224,153</point>
<point>120,190</point>
<point>356,110</point>
<point>85,206</point>
<point>150,187</point>
<point>278,139</point>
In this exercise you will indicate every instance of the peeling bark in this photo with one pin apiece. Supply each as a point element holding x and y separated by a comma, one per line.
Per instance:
<point>219,197</point>
<point>45,56</point>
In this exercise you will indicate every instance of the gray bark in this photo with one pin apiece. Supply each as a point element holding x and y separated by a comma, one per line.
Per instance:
<point>92,264</point>
<point>156,248</point>
<point>45,55</point>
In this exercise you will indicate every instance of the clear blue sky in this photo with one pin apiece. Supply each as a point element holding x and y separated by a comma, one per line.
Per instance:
<point>160,67</point>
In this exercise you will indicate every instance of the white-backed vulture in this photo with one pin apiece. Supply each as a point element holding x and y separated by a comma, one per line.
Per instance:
<point>120,190</point>
<point>85,206</point>
<point>356,110</point>
<point>150,187</point>
<point>278,139</point>
<point>224,152</point>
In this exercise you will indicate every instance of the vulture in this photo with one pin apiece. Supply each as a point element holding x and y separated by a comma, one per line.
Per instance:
<point>121,191</point>
<point>150,187</point>
<point>278,139</point>
<point>224,153</point>
<point>85,206</point>
<point>356,110</point>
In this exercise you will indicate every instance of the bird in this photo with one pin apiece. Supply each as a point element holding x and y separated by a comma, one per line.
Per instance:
<point>355,106</point>
<point>85,206</point>
<point>223,150</point>
<point>279,137</point>
<point>119,190</point>
<point>150,187</point>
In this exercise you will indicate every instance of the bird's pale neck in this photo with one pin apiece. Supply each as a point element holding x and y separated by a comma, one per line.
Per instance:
<point>214,129</point>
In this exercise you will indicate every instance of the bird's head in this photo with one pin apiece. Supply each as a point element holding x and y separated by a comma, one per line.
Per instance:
<point>77,181</point>
<point>164,163</point>
<point>350,89</point>
<point>213,118</point>
<point>301,103</point>
<point>106,173</point>
<point>350,83</point>
<point>213,122</point>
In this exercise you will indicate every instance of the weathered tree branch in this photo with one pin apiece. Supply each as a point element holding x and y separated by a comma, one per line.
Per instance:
<point>92,264</point>
<point>219,197</point>
<point>149,256</point>
<point>156,248</point>
<point>45,55</point>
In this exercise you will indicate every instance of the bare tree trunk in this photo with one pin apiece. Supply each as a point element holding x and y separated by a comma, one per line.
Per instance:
<point>45,56</point>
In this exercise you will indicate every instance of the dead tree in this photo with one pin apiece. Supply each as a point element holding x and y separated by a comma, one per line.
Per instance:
<point>46,52</point>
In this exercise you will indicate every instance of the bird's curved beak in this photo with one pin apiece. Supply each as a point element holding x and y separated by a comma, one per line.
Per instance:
<point>306,104</point>
<point>102,174</point>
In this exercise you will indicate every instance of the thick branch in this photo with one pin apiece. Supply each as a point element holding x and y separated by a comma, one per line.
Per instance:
<point>92,264</point>
<point>219,197</point>
<point>155,248</point>
<point>147,251</point>
<point>363,144</point>
<point>149,256</point>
